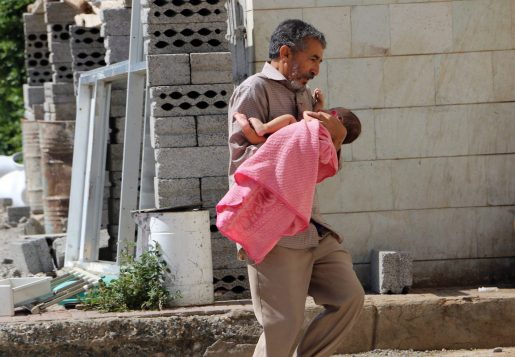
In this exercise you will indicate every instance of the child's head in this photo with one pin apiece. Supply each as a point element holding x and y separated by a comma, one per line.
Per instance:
<point>350,121</point>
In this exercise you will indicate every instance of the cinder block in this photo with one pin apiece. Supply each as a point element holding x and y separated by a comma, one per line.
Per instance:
<point>114,209</point>
<point>57,243</point>
<point>39,75</point>
<point>59,33</point>
<point>213,189</point>
<point>14,214</point>
<point>231,283</point>
<point>171,132</point>
<point>117,130</point>
<point>62,72</point>
<point>58,12</point>
<point>187,12</point>
<point>86,37</point>
<point>117,48</point>
<point>190,100</point>
<point>212,130</point>
<point>118,96</point>
<point>168,69</point>
<point>115,22</point>
<point>64,110</point>
<point>33,95</point>
<point>117,110</point>
<point>5,202</point>
<point>224,254</point>
<point>176,192</point>
<point>192,162</point>
<point>38,111</point>
<point>32,255</point>
<point>213,67</point>
<point>60,52</point>
<point>391,272</point>
<point>34,23</point>
<point>57,89</point>
<point>115,157</point>
<point>37,57</point>
<point>188,38</point>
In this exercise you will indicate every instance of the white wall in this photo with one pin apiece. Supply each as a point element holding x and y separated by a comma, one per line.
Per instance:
<point>434,170</point>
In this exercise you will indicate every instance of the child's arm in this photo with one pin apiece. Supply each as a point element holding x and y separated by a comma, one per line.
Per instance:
<point>247,130</point>
<point>273,125</point>
<point>319,99</point>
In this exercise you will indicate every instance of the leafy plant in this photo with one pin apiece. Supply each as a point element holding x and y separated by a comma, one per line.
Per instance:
<point>140,285</point>
<point>12,73</point>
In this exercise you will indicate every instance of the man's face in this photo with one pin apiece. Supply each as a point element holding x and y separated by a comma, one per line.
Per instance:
<point>305,64</point>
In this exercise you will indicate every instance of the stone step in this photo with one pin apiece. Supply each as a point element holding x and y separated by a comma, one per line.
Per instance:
<point>425,320</point>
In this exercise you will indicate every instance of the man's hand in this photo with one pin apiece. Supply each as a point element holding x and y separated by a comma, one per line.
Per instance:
<point>332,124</point>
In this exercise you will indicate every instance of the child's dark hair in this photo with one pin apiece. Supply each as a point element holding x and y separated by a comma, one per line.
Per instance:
<point>350,121</point>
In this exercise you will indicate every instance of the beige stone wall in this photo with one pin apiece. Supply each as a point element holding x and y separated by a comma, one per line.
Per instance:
<point>434,85</point>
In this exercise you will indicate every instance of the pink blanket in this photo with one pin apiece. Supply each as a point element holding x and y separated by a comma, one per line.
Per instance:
<point>273,192</point>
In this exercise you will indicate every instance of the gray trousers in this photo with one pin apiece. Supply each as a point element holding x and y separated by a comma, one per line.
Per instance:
<point>279,287</point>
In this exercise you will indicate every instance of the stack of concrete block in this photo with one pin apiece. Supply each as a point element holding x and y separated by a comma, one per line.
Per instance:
<point>36,49</point>
<point>37,63</point>
<point>116,25</point>
<point>87,50</point>
<point>115,159</point>
<point>391,272</point>
<point>190,81</point>
<point>59,17</point>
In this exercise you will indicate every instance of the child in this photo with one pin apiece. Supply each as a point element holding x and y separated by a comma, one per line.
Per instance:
<point>258,135</point>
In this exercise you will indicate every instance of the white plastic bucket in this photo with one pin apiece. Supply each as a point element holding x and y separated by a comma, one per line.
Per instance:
<point>185,241</point>
<point>12,185</point>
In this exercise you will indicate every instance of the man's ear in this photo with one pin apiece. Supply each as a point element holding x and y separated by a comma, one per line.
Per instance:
<point>285,51</point>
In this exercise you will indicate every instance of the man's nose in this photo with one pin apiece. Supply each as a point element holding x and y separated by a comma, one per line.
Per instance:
<point>315,70</point>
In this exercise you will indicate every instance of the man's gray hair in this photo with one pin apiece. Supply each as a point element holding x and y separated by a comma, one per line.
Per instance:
<point>293,34</point>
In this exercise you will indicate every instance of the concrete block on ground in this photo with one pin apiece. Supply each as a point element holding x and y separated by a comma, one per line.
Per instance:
<point>214,67</point>
<point>14,214</point>
<point>190,100</point>
<point>176,192</point>
<point>115,22</point>
<point>32,255</point>
<point>168,69</point>
<point>187,12</point>
<point>33,95</point>
<point>192,162</point>
<point>34,22</point>
<point>213,189</point>
<point>212,130</point>
<point>391,272</point>
<point>5,202</point>
<point>32,226</point>
<point>170,132</point>
<point>57,244</point>
<point>188,38</point>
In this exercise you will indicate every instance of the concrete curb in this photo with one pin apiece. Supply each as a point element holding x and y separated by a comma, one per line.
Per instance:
<point>450,319</point>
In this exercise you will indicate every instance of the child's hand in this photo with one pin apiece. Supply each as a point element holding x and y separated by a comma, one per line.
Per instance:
<point>319,100</point>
